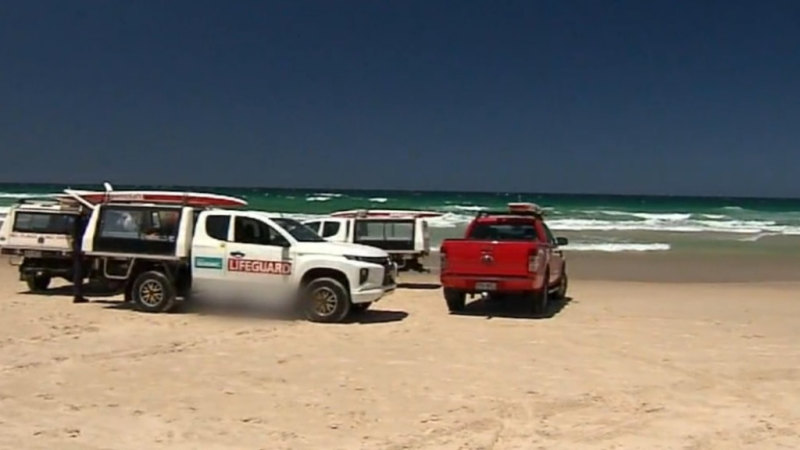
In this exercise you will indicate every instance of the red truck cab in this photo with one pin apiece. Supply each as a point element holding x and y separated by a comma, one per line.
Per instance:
<point>505,253</point>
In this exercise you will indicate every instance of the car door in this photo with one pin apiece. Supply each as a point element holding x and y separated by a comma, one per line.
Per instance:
<point>556,258</point>
<point>212,236</point>
<point>259,261</point>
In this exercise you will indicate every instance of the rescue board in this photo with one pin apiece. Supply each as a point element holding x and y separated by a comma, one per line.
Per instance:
<point>196,199</point>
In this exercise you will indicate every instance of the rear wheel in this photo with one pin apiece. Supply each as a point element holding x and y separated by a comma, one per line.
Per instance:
<point>456,300</point>
<point>153,292</point>
<point>326,300</point>
<point>540,298</point>
<point>38,283</point>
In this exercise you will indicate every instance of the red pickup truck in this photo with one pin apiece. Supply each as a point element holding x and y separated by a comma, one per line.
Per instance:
<point>505,253</point>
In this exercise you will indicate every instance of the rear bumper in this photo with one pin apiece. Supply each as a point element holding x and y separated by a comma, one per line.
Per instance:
<point>466,283</point>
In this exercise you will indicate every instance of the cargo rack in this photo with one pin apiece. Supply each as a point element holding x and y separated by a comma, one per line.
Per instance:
<point>538,214</point>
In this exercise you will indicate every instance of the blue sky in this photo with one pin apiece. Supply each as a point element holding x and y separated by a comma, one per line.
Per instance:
<point>657,97</point>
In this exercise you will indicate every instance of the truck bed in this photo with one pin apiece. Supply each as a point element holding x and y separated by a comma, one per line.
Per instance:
<point>488,258</point>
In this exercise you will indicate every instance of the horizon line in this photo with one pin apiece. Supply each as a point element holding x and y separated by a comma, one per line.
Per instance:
<point>397,190</point>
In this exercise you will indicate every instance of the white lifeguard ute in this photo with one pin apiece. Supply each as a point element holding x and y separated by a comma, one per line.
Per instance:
<point>527,208</point>
<point>405,235</point>
<point>36,234</point>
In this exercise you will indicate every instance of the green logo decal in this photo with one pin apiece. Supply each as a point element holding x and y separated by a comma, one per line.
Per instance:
<point>204,262</point>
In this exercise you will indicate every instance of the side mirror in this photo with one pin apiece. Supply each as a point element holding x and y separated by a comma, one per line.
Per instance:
<point>561,241</point>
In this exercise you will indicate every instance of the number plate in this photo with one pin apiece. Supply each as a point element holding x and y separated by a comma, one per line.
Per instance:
<point>485,286</point>
<point>32,254</point>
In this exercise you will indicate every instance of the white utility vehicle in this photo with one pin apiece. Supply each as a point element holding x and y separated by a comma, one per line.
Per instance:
<point>163,252</point>
<point>36,234</point>
<point>404,235</point>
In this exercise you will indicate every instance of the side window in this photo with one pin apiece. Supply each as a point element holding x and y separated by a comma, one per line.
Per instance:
<point>217,227</point>
<point>314,226</point>
<point>330,229</point>
<point>140,224</point>
<point>253,231</point>
<point>138,230</point>
<point>550,238</point>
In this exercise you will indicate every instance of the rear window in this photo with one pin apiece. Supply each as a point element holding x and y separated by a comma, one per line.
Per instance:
<point>503,232</point>
<point>217,227</point>
<point>26,222</point>
<point>330,229</point>
<point>367,230</point>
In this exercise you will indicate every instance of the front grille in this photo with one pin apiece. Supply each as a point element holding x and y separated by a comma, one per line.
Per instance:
<point>388,273</point>
<point>379,260</point>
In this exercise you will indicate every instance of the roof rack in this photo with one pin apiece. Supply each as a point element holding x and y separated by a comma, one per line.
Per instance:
<point>516,209</point>
<point>509,213</point>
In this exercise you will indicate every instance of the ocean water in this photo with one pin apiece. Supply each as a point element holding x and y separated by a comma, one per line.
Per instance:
<point>602,223</point>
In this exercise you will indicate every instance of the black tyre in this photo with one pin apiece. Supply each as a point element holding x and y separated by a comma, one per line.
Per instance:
<point>38,283</point>
<point>153,292</point>
<point>456,300</point>
<point>325,300</point>
<point>561,292</point>
<point>540,299</point>
<point>360,307</point>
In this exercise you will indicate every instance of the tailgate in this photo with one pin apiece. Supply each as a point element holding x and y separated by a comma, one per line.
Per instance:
<point>488,258</point>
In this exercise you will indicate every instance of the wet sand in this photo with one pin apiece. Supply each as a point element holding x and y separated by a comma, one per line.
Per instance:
<point>621,365</point>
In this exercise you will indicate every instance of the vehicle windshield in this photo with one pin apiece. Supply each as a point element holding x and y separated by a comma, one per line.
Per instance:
<point>503,232</point>
<point>300,232</point>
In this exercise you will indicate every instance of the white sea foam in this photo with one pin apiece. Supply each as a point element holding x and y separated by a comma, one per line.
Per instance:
<point>318,199</point>
<point>475,208</point>
<point>379,200</point>
<point>616,247</point>
<point>21,195</point>
<point>328,194</point>
<point>608,247</point>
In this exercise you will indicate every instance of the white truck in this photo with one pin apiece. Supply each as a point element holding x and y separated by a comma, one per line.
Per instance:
<point>165,252</point>
<point>404,235</point>
<point>36,236</point>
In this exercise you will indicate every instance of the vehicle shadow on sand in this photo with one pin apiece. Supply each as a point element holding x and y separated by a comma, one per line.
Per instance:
<point>89,291</point>
<point>419,286</point>
<point>370,316</point>
<point>511,308</point>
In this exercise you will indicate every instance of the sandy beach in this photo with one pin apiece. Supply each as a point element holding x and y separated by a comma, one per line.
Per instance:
<point>621,365</point>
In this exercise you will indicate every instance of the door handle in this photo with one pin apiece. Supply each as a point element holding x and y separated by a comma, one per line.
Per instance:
<point>237,254</point>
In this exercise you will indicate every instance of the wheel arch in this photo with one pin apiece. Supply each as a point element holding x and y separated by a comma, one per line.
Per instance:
<point>325,272</point>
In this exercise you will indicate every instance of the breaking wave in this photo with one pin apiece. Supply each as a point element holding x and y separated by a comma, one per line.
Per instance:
<point>617,247</point>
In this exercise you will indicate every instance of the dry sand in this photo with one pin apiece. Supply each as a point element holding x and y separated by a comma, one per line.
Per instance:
<point>622,365</point>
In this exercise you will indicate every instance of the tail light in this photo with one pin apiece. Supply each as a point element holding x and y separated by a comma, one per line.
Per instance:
<point>533,261</point>
<point>442,261</point>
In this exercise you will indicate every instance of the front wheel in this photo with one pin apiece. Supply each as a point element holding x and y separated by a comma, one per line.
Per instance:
<point>561,292</point>
<point>153,292</point>
<point>326,300</point>
<point>38,283</point>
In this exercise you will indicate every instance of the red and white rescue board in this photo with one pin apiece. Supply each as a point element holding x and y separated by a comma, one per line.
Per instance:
<point>385,213</point>
<point>197,199</point>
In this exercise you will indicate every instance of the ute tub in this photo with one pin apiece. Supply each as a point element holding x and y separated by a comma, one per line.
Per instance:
<point>466,283</point>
